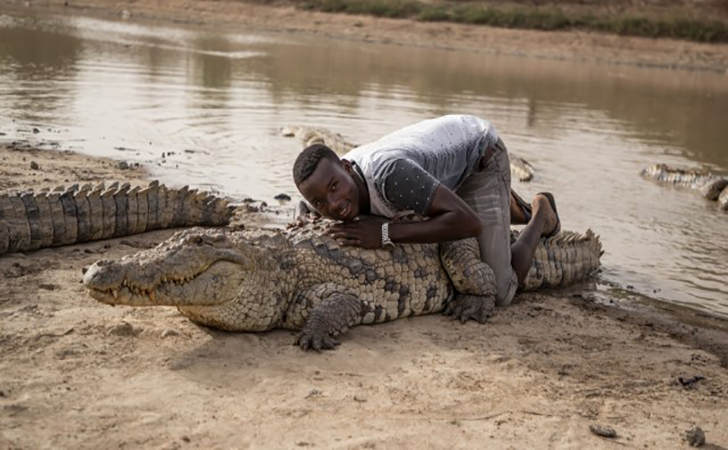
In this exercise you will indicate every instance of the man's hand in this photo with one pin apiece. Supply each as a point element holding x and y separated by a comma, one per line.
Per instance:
<point>365,232</point>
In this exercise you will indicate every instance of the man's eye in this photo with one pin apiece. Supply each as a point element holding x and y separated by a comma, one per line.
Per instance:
<point>317,204</point>
<point>333,186</point>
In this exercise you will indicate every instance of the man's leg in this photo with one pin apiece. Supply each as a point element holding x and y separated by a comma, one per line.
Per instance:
<point>542,222</point>
<point>521,211</point>
<point>488,193</point>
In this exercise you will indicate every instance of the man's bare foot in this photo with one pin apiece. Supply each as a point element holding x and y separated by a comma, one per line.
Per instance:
<point>542,207</point>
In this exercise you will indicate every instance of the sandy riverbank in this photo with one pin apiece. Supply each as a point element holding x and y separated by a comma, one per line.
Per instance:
<point>538,375</point>
<point>558,45</point>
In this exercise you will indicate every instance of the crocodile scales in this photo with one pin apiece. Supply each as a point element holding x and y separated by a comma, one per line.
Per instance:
<point>302,279</point>
<point>712,186</point>
<point>61,216</point>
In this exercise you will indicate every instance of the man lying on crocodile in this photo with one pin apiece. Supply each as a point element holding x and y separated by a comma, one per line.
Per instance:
<point>453,170</point>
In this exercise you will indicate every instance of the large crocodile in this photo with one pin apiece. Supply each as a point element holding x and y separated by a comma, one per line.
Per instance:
<point>29,221</point>
<point>302,279</point>
<point>710,185</point>
<point>520,168</point>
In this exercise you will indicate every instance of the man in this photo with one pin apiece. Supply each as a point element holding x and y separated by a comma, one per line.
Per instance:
<point>454,170</point>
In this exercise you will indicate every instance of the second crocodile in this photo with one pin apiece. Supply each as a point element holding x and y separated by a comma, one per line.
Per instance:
<point>710,185</point>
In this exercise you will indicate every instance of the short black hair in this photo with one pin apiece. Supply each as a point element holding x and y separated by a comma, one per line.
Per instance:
<point>308,159</point>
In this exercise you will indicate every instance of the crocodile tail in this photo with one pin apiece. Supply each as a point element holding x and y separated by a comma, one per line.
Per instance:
<point>62,216</point>
<point>563,260</point>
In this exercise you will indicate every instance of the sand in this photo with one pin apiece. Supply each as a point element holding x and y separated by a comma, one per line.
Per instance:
<point>75,373</point>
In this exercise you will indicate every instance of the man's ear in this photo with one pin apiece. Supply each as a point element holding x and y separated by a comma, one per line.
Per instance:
<point>347,166</point>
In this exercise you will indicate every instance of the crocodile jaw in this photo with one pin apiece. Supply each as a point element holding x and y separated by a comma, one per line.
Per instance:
<point>198,267</point>
<point>219,283</point>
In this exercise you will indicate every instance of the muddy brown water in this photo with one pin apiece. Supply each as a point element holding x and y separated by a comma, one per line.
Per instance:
<point>203,108</point>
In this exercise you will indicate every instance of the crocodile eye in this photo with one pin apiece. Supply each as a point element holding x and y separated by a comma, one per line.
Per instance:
<point>198,240</point>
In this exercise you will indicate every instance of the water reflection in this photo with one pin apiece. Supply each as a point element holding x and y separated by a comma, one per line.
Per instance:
<point>34,64</point>
<point>680,109</point>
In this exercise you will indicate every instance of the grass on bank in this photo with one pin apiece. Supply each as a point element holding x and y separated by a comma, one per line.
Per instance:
<point>526,17</point>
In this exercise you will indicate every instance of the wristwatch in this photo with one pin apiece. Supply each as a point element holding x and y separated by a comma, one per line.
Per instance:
<point>386,241</point>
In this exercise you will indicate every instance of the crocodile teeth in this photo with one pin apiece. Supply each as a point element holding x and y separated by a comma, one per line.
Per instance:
<point>115,293</point>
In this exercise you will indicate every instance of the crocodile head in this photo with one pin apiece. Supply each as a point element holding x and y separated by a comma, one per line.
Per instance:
<point>206,273</point>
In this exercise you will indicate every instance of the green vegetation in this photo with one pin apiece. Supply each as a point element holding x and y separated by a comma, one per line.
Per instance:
<point>533,17</point>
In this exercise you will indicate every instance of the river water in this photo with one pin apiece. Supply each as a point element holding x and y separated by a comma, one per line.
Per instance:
<point>133,91</point>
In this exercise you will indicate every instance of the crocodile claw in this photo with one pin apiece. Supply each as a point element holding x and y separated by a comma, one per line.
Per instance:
<point>316,340</point>
<point>466,307</point>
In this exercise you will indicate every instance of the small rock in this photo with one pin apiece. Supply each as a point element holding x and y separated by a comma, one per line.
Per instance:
<point>123,165</point>
<point>314,393</point>
<point>360,398</point>
<point>36,131</point>
<point>695,436</point>
<point>34,165</point>
<point>607,432</point>
<point>169,332</point>
<point>122,329</point>
<point>284,197</point>
<point>186,439</point>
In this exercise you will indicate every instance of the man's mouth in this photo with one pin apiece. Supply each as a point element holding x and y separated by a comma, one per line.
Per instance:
<point>344,210</point>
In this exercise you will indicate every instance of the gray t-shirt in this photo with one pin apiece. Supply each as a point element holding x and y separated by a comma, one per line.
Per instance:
<point>403,169</point>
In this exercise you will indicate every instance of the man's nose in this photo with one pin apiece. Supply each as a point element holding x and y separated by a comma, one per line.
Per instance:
<point>332,200</point>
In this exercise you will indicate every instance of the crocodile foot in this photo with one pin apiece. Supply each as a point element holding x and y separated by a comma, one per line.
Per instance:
<point>311,338</point>
<point>476,307</point>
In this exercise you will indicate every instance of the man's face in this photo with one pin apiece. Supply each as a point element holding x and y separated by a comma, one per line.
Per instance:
<point>331,190</point>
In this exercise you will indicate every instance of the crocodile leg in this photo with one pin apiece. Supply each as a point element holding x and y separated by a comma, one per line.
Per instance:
<point>473,279</point>
<point>334,313</point>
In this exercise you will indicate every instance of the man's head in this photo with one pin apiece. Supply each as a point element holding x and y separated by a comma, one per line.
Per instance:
<point>327,182</point>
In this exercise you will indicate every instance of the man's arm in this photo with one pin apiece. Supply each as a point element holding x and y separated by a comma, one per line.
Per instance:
<point>450,219</point>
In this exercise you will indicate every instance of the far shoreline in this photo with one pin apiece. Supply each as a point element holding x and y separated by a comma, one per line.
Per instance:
<point>577,46</point>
